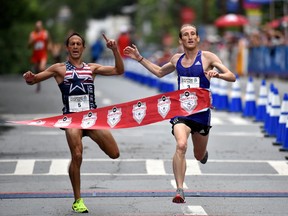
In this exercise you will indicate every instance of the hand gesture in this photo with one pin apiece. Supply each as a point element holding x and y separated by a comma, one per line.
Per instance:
<point>212,73</point>
<point>132,52</point>
<point>111,44</point>
<point>29,77</point>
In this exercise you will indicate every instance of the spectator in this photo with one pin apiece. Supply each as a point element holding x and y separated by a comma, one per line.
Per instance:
<point>38,42</point>
<point>124,40</point>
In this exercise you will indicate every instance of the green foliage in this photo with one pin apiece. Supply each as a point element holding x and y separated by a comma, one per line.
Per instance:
<point>164,17</point>
<point>19,16</point>
<point>14,25</point>
<point>87,9</point>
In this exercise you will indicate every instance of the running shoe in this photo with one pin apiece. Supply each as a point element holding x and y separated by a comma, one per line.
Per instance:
<point>204,160</point>
<point>79,206</point>
<point>179,198</point>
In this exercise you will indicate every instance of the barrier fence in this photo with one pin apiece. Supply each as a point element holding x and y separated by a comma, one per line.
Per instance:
<point>265,60</point>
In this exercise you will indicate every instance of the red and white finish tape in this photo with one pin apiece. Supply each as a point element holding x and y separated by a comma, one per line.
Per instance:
<point>132,114</point>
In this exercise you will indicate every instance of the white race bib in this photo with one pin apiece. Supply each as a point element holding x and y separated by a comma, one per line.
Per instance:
<point>189,82</point>
<point>39,45</point>
<point>78,103</point>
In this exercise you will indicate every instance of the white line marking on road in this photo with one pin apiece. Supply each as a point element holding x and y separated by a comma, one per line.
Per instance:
<point>280,166</point>
<point>145,174</point>
<point>59,167</point>
<point>193,210</point>
<point>144,160</point>
<point>193,167</point>
<point>24,167</point>
<point>155,167</point>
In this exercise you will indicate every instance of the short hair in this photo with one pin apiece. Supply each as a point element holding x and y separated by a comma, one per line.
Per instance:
<point>73,34</point>
<point>185,25</point>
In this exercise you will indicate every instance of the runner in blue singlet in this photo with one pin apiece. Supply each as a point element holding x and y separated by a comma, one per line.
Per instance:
<point>193,77</point>
<point>194,69</point>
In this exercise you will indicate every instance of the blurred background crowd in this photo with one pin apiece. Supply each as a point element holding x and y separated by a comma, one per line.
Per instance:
<point>250,36</point>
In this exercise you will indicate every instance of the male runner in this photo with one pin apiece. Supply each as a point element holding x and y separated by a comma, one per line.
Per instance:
<point>194,69</point>
<point>38,41</point>
<point>75,80</point>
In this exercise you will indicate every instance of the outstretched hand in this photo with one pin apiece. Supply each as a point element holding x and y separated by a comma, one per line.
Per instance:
<point>132,52</point>
<point>111,44</point>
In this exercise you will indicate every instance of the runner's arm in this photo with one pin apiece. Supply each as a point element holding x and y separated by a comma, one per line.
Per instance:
<point>118,69</point>
<point>32,78</point>
<point>215,62</point>
<point>158,71</point>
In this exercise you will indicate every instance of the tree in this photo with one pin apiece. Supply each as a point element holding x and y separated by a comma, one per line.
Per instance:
<point>15,24</point>
<point>164,17</point>
<point>19,16</point>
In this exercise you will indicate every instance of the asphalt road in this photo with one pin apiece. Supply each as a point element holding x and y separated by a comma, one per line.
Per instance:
<point>245,175</point>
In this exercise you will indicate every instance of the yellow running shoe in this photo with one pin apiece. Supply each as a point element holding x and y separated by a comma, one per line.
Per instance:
<point>79,206</point>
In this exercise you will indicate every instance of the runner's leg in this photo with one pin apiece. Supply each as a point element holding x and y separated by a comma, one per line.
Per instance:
<point>74,139</point>
<point>181,134</point>
<point>42,64</point>
<point>200,144</point>
<point>106,142</point>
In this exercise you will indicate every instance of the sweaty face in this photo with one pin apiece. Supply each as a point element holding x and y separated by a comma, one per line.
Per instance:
<point>190,39</point>
<point>75,47</point>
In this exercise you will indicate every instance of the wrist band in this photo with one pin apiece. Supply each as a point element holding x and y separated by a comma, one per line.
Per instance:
<point>141,59</point>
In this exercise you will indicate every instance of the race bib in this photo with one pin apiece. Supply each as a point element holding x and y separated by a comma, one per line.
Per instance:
<point>78,103</point>
<point>39,45</point>
<point>189,82</point>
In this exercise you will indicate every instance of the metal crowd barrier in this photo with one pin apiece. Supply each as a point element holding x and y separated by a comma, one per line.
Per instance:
<point>268,61</point>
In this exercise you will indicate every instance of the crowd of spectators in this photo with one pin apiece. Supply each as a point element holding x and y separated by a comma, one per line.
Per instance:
<point>267,36</point>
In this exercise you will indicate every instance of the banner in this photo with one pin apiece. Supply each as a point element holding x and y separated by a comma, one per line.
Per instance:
<point>132,114</point>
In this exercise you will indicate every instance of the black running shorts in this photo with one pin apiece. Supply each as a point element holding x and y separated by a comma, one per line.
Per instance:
<point>193,125</point>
